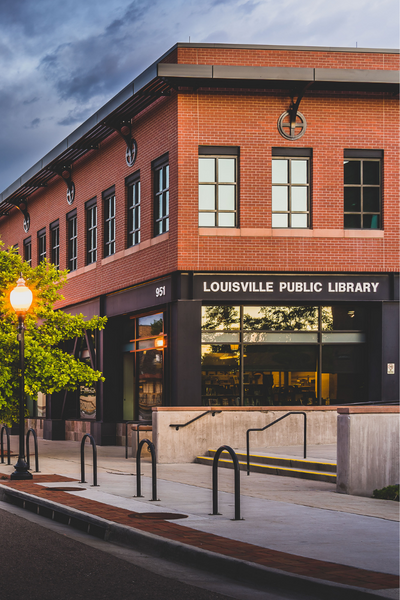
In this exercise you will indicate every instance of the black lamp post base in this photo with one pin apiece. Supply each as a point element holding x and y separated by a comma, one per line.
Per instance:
<point>21,471</point>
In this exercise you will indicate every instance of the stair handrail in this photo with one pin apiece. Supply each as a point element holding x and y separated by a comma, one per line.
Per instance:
<point>6,429</point>
<point>296,412</point>
<point>215,480</point>
<point>207,412</point>
<point>28,462</point>
<point>152,449</point>
<point>93,443</point>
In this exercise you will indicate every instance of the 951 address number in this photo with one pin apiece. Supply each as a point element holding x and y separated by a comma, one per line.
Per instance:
<point>160,291</point>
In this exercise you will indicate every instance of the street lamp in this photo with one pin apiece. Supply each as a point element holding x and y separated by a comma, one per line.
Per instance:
<point>21,299</point>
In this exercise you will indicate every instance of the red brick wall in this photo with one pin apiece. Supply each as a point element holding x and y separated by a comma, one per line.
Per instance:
<point>335,122</point>
<point>178,125</point>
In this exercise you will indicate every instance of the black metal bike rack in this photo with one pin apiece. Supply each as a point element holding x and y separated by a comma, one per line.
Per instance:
<point>296,412</point>
<point>33,432</point>
<point>7,430</point>
<point>152,449</point>
<point>126,432</point>
<point>91,438</point>
<point>215,481</point>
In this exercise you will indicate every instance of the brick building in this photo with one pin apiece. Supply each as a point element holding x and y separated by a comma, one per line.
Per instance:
<point>234,212</point>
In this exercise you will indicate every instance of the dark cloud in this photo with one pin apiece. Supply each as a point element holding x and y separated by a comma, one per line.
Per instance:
<point>33,124</point>
<point>75,117</point>
<point>31,101</point>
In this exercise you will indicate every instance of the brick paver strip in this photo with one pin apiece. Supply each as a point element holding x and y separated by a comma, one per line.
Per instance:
<point>275,559</point>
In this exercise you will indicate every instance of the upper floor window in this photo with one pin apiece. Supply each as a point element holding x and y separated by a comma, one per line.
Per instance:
<point>28,250</point>
<point>91,231</point>
<point>362,189</point>
<point>72,227</point>
<point>161,194</point>
<point>55,243</point>
<point>109,221</point>
<point>218,186</point>
<point>41,245</point>
<point>291,188</point>
<point>133,189</point>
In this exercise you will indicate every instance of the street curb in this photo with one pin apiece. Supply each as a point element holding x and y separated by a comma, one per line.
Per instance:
<point>160,547</point>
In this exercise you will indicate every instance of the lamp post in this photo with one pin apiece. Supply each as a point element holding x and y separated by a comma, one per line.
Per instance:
<point>21,299</point>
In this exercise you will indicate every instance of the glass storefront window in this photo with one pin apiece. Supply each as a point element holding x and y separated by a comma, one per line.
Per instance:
<point>220,317</point>
<point>87,394</point>
<point>149,325</point>
<point>280,375</point>
<point>344,318</point>
<point>220,375</point>
<point>150,381</point>
<point>343,380</point>
<point>271,355</point>
<point>278,318</point>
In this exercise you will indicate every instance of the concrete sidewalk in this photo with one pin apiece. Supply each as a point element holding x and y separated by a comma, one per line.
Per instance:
<point>292,532</point>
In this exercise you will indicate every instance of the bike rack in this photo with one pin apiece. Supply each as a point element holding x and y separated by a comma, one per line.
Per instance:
<point>126,432</point>
<point>91,438</point>
<point>270,425</point>
<point>7,430</point>
<point>215,481</point>
<point>36,450</point>
<point>152,449</point>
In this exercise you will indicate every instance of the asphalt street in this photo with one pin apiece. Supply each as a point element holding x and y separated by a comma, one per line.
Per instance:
<point>39,564</point>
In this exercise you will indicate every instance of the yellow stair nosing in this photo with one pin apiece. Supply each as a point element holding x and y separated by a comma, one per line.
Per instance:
<point>305,460</point>
<point>270,466</point>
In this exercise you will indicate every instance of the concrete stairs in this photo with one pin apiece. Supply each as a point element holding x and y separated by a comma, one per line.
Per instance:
<point>276,465</point>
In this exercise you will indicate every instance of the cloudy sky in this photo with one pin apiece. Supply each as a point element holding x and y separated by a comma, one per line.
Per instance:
<point>60,60</point>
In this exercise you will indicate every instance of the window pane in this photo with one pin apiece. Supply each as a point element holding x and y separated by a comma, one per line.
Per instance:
<point>279,198</point>
<point>279,220</point>
<point>226,170</point>
<point>343,318</point>
<point>299,171</point>
<point>299,220</point>
<point>206,169</point>
<point>220,317</point>
<point>160,180</point>
<point>299,199</point>
<point>226,197</point>
<point>371,200</point>
<point>212,337</point>
<point>206,219</point>
<point>167,176</point>
<point>280,171</point>
<point>352,172</point>
<point>226,219</point>
<point>370,221</point>
<point>207,197</point>
<point>352,199</point>
<point>371,172</point>
<point>352,221</point>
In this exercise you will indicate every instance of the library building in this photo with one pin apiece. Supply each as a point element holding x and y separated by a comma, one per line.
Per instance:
<point>234,213</point>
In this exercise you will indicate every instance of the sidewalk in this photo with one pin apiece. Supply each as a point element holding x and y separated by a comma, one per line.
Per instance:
<point>293,531</point>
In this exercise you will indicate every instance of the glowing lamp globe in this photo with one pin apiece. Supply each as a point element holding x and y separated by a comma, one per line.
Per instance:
<point>21,297</point>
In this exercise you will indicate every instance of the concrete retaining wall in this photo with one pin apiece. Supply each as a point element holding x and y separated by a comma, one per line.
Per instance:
<point>367,449</point>
<point>230,426</point>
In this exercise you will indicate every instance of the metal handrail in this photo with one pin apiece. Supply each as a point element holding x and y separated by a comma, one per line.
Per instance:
<point>215,481</point>
<point>212,412</point>
<point>36,450</point>
<point>91,438</point>
<point>7,430</point>
<point>126,432</point>
<point>270,425</point>
<point>152,449</point>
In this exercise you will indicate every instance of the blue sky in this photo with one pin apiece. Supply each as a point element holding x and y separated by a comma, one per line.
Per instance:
<point>61,60</point>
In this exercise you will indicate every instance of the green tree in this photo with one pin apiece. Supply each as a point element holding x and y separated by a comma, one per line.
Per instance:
<point>48,368</point>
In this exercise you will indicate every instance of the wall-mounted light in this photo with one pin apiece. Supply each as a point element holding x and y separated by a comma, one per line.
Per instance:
<point>159,342</point>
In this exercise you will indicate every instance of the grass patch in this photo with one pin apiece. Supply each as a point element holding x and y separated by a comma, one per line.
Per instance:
<point>391,492</point>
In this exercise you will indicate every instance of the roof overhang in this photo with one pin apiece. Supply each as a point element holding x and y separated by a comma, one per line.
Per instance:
<point>160,78</point>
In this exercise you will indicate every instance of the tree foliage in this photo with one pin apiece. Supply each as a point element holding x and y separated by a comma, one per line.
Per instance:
<point>48,368</point>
